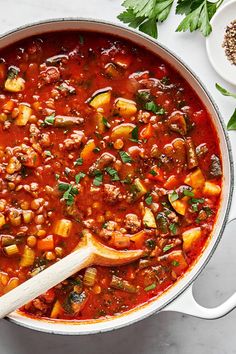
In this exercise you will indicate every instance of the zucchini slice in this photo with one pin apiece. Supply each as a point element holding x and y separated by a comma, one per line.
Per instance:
<point>125,107</point>
<point>100,98</point>
<point>149,219</point>
<point>122,131</point>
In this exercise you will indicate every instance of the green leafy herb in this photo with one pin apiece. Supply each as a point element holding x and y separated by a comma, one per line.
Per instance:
<point>48,153</point>
<point>98,178</point>
<point>145,14</point>
<point>12,72</point>
<point>168,247</point>
<point>197,200</point>
<point>78,162</point>
<point>195,207</point>
<point>127,180</point>
<point>79,176</point>
<point>67,171</point>
<point>148,200</point>
<point>134,134</point>
<point>173,228</point>
<point>224,92</point>
<point>150,287</point>
<point>125,157</point>
<point>174,196</point>
<point>57,176</point>
<point>175,263</point>
<point>69,192</point>
<point>188,193</point>
<point>49,120</point>
<point>150,243</point>
<point>105,122</point>
<point>113,173</point>
<point>153,172</point>
<point>208,210</point>
<point>151,106</point>
<point>198,15</point>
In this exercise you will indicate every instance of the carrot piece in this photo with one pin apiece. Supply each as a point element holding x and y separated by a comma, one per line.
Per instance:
<point>87,151</point>
<point>147,132</point>
<point>156,174</point>
<point>172,182</point>
<point>46,244</point>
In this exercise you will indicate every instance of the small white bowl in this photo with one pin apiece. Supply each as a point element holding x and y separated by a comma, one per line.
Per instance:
<point>216,52</point>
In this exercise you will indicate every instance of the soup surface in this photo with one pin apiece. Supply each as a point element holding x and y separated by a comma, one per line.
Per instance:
<point>99,135</point>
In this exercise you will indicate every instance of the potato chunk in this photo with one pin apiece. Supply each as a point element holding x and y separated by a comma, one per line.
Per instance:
<point>149,219</point>
<point>211,189</point>
<point>190,236</point>
<point>24,115</point>
<point>195,179</point>
<point>63,228</point>
<point>15,84</point>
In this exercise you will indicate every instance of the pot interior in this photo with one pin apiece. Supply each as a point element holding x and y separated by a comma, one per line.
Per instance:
<point>63,327</point>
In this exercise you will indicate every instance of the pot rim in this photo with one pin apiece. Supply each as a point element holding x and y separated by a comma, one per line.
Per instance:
<point>47,325</point>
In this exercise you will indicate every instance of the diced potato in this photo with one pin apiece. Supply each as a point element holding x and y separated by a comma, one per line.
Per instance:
<point>2,220</point>
<point>56,310</point>
<point>16,84</point>
<point>125,107</point>
<point>88,149</point>
<point>195,179</point>
<point>24,115</point>
<point>28,257</point>
<point>180,206</point>
<point>100,99</point>
<point>140,188</point>
<point>100,124</point>
<point>149,219</point>
<point>122,131</point>
<point>190,236</point>
<point>12,284</point>
<point>11,250</point>
<point>211,189</point>
<point>63,228</point>
<point>176,260</point>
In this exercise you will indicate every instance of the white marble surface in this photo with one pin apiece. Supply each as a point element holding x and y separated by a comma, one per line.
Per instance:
<point>167,333</point>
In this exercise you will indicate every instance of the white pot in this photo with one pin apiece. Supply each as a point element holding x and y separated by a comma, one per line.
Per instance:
<point>179,297</point>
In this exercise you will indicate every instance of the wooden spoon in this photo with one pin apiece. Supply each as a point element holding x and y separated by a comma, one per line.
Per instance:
<point>88,252</point>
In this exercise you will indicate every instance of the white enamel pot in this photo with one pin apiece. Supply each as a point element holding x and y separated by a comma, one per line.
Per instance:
<point>179,297</point>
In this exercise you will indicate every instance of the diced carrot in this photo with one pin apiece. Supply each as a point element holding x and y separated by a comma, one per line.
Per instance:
<point>147,132</point>
<point>156,175</point>
<point>8,106</point>
<point>87,151</point>
<point>138,238</point>
<point>46,244</point>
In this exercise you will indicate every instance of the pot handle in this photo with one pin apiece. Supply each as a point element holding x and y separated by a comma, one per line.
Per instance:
<point>187,304</point>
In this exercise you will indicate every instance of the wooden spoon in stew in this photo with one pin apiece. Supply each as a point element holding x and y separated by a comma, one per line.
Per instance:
<point>88,252</point>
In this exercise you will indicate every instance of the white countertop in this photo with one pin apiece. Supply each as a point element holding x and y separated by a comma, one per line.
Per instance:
<point>166,333</point>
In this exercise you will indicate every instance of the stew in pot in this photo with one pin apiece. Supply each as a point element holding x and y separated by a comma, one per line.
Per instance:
<point>97,133</point>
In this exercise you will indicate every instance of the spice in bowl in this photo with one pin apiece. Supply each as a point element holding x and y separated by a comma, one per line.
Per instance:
<point>229,43</point>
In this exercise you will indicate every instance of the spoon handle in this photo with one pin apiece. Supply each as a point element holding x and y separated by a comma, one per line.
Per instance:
<point>45,280</point>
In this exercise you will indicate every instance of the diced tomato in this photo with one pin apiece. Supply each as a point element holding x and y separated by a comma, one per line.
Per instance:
<point>156,174</point>
<point>147,132</point>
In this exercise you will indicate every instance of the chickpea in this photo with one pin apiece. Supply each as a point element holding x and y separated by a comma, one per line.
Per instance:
<point>3,204</point>
<point>50,256</point>
<point>39,219</point>
<point>11,186</point>
<point>31,241</point>
<point>118,144</point>
<point>24,205</point>
<point>41,233</point>
<point>36,203</point>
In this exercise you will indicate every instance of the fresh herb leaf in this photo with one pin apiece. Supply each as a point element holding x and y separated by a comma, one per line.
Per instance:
<point>173,196</point>
<point>125,157</point>
<point>145,14</point>
<point>48,153</point>
<point>175,263</point>
<point>134,134</point>
<point>197,200</point>
<point>208,210</point>
<point>232,122</point>
<point>224,92</point>
<point>188,193</point>
<point>173,228</point>
<point>127,180</point>
<point>69,192</point>
<point>151,106</point>
<point>195,207</point>
<point>79,176</point>
<point>67,171</point>
<point>78,162</point>
<point>150,243</point>
<point>168,247</point>
<point>153,172</point>
<point>62,186</point>
<point>49,120</point>
<point>113,173</point>
<point>198,15</point>
<point>12,72</point>
<point>150,287</point>
<point>98,178</point>
<point>105,122</point>
<point>149,200</point>
<point>57,176</point>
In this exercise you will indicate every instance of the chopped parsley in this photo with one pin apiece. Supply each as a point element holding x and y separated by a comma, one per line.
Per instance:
<point>57,176</point>
<point>49,120</point>
<point>96,150</point>
<point>125,157</point>
<point>173,228</point>
<point>150,287</point>
<point>67,171</point>
<point>195,207</point>
<point>69,192</point>
<point>79,176</point>
<point>150,243</point>
<point>127,180</point>
<point>173,196</point>
<point>48,153</point>
<point>175,263</point>
<point>98,178</point>
<point>148,200</point>
<point>188,193</point>
<point>78,162</point>
<point>134,134</point>
<point>168,247</point>
<point>152,107</point>
<point>113,173</point>
<point>197,200</point>
<point>153,172</point>
<point>105,122</point>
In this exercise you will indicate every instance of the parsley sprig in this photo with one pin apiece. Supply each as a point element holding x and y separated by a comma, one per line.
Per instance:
<point>145,14</point>
<point>69,192</point>
<point>232,122</point>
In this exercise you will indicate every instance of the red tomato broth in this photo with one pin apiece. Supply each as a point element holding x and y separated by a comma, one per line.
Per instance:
<point>90,63</point>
